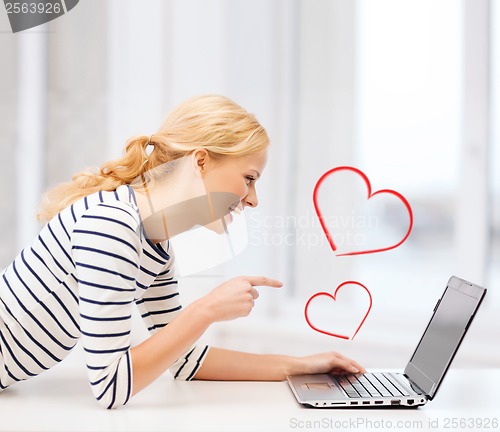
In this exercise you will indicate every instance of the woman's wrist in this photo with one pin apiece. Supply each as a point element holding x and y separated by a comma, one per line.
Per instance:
<point>295,366</point>
<point>202,312</point>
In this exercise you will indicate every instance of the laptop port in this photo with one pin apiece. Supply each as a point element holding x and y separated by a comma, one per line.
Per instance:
<point>354,403</point>
<point>366,402</point>
<point>410,401</point>
<point>379,402</point>
<point>395,402</point>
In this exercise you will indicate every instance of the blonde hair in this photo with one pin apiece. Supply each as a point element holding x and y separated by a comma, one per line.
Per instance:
<point>212,122</point>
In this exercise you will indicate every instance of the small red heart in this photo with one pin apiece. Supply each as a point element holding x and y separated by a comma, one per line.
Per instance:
<point>333,297</point>
<point>370,195</point>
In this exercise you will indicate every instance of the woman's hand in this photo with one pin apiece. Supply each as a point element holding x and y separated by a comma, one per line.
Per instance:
<point>235,298</point>
<point>329,362</point>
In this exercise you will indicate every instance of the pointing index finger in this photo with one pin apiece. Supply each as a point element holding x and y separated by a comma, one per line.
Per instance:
<point>264,281</point>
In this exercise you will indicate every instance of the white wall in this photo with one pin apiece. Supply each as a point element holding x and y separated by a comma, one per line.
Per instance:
<point>334,82</point>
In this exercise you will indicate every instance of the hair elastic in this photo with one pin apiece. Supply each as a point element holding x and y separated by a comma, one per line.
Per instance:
<point>149,149</point>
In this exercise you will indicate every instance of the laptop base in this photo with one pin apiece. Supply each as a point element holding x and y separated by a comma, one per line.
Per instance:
<point>326,391</point>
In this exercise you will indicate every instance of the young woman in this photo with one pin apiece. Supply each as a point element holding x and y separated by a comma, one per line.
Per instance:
<point>105,247</point>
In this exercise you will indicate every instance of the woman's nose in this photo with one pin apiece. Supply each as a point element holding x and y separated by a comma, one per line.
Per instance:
<point>251,199</point>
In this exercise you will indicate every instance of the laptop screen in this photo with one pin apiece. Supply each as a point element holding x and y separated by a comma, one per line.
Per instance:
<point>443,334</point>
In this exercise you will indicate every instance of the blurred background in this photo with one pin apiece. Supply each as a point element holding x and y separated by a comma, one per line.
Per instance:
<point>407,91</point>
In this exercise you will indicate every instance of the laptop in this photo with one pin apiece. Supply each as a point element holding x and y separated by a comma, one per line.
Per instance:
<point>424,372</point>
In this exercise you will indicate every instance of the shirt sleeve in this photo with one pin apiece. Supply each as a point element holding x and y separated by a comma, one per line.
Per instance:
<point>106,248</point>
<point>159,306</point>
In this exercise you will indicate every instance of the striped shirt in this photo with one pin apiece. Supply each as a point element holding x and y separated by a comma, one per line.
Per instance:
<point>78,281</point>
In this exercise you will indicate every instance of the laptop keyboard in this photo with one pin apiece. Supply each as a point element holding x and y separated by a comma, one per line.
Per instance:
<point>370,384</point>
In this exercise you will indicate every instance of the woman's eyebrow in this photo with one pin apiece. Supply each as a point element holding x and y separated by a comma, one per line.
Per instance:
<point>256,172</point>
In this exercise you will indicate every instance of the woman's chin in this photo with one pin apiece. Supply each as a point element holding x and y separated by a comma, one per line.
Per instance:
<point>219,226</point>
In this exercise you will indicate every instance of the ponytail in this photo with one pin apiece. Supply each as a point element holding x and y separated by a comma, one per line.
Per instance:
<point>111,175</point>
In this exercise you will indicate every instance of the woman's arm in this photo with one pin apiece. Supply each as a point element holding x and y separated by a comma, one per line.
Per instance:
<point>221,364</point>
<point>230,300</point>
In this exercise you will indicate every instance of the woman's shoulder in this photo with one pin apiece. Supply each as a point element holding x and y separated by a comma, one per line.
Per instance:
<point>118,205</point>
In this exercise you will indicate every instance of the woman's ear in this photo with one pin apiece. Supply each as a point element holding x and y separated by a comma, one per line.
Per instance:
<point>200,159</point>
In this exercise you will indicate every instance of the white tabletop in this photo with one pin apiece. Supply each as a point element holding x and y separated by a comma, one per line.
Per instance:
<point>60,400</point>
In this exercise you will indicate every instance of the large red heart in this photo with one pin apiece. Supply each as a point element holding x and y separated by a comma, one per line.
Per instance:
<point>370,195</point>
<point>333,297</point>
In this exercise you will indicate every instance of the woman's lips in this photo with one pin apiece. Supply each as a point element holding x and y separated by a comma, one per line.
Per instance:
<point>232,212</point>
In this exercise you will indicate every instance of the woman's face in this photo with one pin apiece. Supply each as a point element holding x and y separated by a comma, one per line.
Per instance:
<point>236,177</point>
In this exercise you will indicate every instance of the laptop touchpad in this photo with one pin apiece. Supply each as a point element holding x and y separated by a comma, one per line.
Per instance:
<point>317,386</point>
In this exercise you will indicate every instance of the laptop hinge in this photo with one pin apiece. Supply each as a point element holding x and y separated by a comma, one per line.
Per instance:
<point>414,386</point>
<point>419,379</point>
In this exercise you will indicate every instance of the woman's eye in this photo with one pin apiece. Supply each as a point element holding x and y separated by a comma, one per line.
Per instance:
<point>249,179</point>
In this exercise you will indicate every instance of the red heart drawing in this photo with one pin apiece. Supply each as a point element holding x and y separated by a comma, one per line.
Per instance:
<point>370,195</point>
<point>333,297</point>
